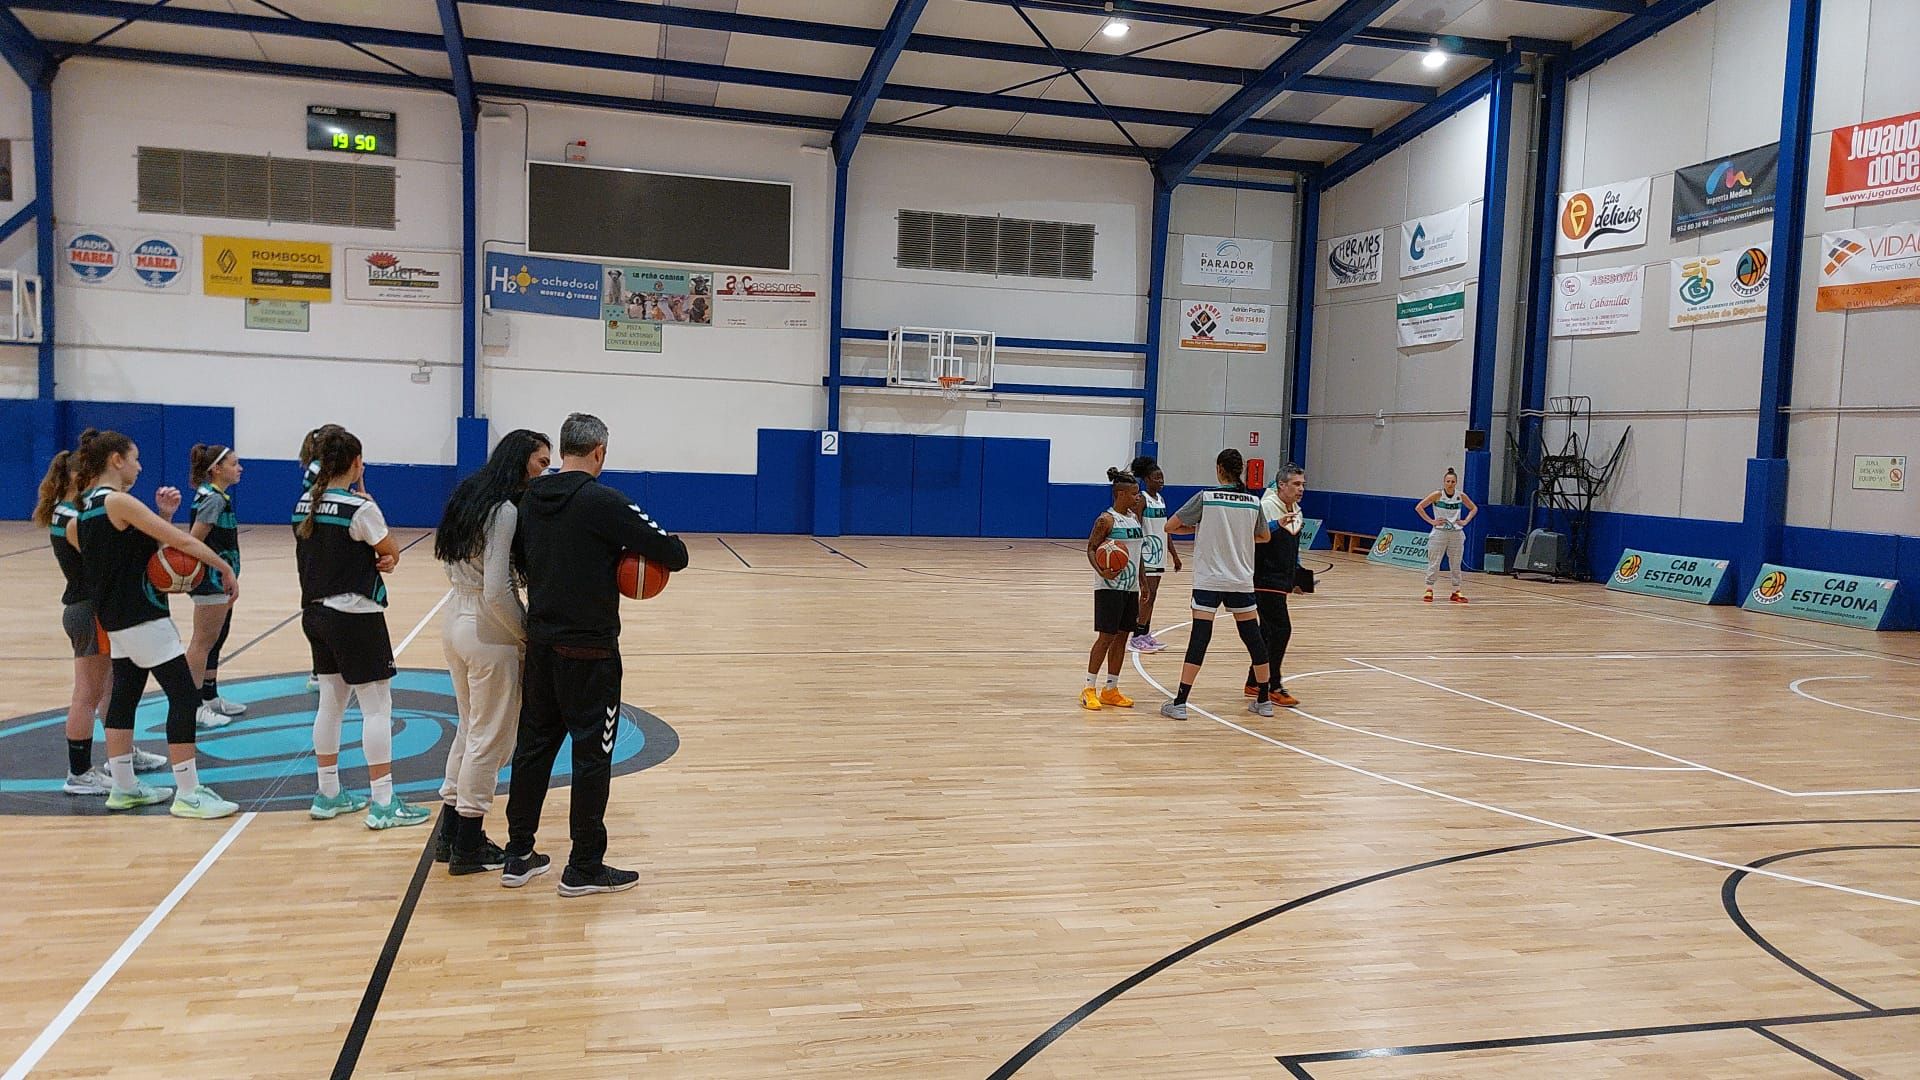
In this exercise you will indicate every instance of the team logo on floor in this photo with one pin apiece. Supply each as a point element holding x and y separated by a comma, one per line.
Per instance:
<point>264,759</point>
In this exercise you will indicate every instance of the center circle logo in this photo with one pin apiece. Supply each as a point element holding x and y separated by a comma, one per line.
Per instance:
<point>1629,569</point>
<point>92,257</point>
<point>264,759</point>
<point>1769,589</point>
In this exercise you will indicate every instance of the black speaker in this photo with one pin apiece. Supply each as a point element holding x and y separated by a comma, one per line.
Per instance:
<point>1476,439</point>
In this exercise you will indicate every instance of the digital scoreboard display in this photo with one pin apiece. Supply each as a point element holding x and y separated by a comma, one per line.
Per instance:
<point>352,131</point>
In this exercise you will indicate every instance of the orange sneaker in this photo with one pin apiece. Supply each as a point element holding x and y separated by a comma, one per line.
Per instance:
<point>1457,598</point>
<point>1112,696</point>
<point>1428,599</point>
<point>1090,699</point>
<point>1250,692</point>
<point>1284,700</point>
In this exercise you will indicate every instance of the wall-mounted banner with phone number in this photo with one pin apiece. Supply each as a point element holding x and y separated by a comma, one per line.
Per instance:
<point>1821,596</point>
<point>766,301</point>
<point>1676,577</point>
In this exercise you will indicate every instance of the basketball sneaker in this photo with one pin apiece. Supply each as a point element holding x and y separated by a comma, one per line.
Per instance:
<point>443,838</point>
<point>1283,699</point>
<point>1250,691</point>
<point>224,707</point>
<point>395,815</point>
<point>91,782</point>
<point>313,684</point>
<point>488,856</point>
<point>1173,710</point>
<point>1140,643</point>
<point>1427,599</point>
<point>148,761</point>
<point>141,795</point>
<point>577,882</point>
<point>1090,699</point>
<point>1260,708</point>
<point>1113,697</point>
<point>521,869</point>
<point>1457,598</point>
<point>202,804</point>
<point>328,807</point>
<point>206,717</point>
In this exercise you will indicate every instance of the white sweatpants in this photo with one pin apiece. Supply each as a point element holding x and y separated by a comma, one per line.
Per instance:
<point>486,684</point>
<point>1449,544</point>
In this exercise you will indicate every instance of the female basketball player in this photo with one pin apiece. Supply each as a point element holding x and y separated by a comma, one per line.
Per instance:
<point>342,545</point>
<point>213,469</point>
<point>483,639</point>
<point>309,473</point>
<point>1227,522</point>
<point>118,534</point>
<point>1116,599</point>
<point>92,670</point>
<point>1446,540</point>
<point>1155,552</point>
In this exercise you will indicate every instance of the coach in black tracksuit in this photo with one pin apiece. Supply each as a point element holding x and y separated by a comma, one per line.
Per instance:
<point>572,531</point>
<point>1276,565</point>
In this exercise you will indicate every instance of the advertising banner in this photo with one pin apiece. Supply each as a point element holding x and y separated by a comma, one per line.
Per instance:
<point>128,259</point>
<point>1727,191</point>
<point>389,276</point>
<point>1355,260</point>
<point>1432,316</point>
<point>537,286</point>
<point>1874,162</point>
<point>1725,286</point>
<point>1226,262</point>
<point>1879,473</point>
<point>1597,302</point>
<point>266,269</point>
<point>289,315</point>
<point>767,301</point>
<point>629,335</point>
<point>1676,577</point>
<point>1603,218</point>
<point>1400,548</point>
<point>1820,596</point>
<point>1436,242</point>
<point>1870,268</point>
<point>1309,532</point>
<point>656,294</point>
<point>1209,327</point>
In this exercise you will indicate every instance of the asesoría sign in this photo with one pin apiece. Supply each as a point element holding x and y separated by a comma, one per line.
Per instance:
<point>1676,577</point>
<point>1823,597</point>
<point>1398,547</point>
<point>1874,162</point>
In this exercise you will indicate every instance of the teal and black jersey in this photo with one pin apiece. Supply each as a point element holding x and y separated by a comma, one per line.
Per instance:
<point>335,560</point>
<point>65,514</point>
<point>214,508</point>
<point>115,562</point>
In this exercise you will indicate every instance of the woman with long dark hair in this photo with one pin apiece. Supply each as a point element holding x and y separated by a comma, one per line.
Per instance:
<point>483,638</point>
<point>213,469</point>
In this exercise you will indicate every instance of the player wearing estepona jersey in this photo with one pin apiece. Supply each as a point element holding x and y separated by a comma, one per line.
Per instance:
<point>1157,555</point>
<point>1442,510</point>
<point>1276,565</point>
<point>1226,524</point>
<point>1116,598</point>
<point>215,469</point>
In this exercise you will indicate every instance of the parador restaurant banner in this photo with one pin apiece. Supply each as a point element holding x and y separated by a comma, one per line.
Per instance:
<point>266,269</point>
<point>1355,260</point>
<point>1726,191</point>
<point>1723,286</point>
<point>1870,268</point>
<point>1226,262</point>
<point>1874,162</point>
<point>127,259</point>
<point>1603,218</point>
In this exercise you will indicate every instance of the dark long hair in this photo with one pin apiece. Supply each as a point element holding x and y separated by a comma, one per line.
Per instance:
<point>1231,463</point>
<point>463,524</point>
<point>96,449</point>
<point>334,447</point>
<point>201,460</point>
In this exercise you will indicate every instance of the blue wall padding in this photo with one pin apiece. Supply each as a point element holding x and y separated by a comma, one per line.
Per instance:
<point>946,485</point>
<point>783,495</point>
<point>876,486</point>
<point>1013,487</point>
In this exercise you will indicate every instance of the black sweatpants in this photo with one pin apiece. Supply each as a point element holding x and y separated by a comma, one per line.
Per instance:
<point>1277,629</point>
<point>565,695</point>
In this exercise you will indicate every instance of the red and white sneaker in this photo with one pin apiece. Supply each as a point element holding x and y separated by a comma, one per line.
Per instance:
<point>1457,598</point>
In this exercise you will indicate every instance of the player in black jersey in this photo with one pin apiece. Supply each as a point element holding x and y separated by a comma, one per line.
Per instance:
<point>214,471</point>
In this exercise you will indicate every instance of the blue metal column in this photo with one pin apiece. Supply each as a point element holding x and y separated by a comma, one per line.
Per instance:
<point>42,94</point>
<point>1765,518</point>
<point>474,441</point>
<point>1156,301</point>
<point>826,467</point>
<point>1551,77</point>
<point>1306,251</point>
<point>1476,476</point>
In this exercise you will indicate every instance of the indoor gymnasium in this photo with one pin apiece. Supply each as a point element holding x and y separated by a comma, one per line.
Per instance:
<point>1337,539</point>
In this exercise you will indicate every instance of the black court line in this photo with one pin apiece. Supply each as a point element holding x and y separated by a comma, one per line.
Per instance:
<point>737,555</point>
<point>1073,1019</point>
<point>842,554</point>
<point>263,635</point>
<point>1730,899</point>
<point>377,982</point>
<point>417,539</point>
<point>24,550</point>
<point>1808,1054</point>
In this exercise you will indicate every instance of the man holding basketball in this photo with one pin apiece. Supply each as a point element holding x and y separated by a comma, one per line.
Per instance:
<point>573,532</point>
<point>1113,548</point>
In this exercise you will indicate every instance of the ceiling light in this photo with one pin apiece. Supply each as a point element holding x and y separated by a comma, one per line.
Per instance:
<point>1436,57</point>
<point>1115,28</point>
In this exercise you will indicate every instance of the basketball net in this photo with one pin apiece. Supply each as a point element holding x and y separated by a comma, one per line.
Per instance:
<point>950,386</point>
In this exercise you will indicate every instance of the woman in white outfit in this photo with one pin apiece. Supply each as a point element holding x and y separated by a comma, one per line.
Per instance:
<point>483,639</point>
<point>1442,510</point>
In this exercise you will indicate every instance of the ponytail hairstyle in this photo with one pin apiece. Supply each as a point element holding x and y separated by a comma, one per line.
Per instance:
<point>1231,463</point>
<point>55,487</point>
<point>334,450</point>
<point>1120,478</point>
<point>96,449</point>
<point>202,459</point>
<point>310,453</point>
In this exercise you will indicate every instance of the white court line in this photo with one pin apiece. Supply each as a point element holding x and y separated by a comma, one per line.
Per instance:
<point>1736,654</point>
<point>79,1002</point>
<point>414,633</point>
<point>1517,815</point>
<point>1795,687</point>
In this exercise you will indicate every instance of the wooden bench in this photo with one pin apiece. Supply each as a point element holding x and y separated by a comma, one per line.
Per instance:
<point>1358,543</point>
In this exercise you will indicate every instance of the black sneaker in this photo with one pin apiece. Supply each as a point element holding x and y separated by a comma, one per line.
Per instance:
<point>488,856</point>
<point>520,869</point>
<point>443,835</point>
<point>577,882</point>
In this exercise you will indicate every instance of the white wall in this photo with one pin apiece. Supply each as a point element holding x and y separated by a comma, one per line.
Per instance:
<point>17,365</point>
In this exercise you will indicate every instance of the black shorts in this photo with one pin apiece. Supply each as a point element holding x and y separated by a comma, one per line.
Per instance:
<point>1115,611</point>
<point>351,645</point>
<point>83,632</point>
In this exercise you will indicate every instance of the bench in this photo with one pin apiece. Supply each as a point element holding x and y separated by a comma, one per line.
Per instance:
<point>1358,543</point>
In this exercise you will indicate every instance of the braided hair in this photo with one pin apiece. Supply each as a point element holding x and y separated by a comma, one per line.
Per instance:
<point>334,449</point>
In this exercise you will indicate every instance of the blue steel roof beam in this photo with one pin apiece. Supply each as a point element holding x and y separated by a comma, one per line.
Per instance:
<point>1087,110</point>
<point>1300,59</point>
<point>1270,25</point>
<point>24,53</point>
<point>1618,7</point>
<point>1662,14</point>
<point>886,52</point>
<point>1465,93</point>
<point>457,61</point>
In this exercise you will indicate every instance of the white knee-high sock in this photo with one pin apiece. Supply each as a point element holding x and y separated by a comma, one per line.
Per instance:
<point>376,732</point>
<point>326,728</point>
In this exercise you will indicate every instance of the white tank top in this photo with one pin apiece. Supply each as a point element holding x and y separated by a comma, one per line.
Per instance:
<point>1128,533</point>
<point>1446,510</point>
<point>1153,549</point>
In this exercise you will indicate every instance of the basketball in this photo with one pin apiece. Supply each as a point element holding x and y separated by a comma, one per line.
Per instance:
<point>173,571</point>
<point>639,579</point>
<point>1111,558</point>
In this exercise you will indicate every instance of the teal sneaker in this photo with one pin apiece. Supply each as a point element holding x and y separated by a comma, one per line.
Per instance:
<point>326,809</point>
<point>141,795</point>
<point>396,815</point>
<point>203,804</point>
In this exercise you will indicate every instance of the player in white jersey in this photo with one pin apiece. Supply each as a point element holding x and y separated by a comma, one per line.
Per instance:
<point>1116,599</point>
<point>1156,555</point>
<point>1227,524</point>
<point>1442,510</point>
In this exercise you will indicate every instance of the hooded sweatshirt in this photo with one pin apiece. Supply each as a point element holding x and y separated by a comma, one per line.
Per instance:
<point>1274,562</point>
<point>573,530</point>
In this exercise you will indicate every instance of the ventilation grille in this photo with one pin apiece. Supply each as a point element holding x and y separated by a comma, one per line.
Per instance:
<point>249,187</point>
<point>1002,246</point>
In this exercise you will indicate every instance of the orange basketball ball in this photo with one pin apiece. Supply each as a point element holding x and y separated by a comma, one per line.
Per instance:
<point>172,571</point>
<point>639,579</point>
<point>1111,558</point>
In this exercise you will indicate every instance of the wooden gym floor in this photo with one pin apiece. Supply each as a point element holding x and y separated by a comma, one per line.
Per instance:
<point>1501,840</point>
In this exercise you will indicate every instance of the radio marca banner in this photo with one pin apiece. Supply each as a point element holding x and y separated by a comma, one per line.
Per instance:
<point>391,276</point>
<point>123,259</point>
<point>1207,326</point>
<point>1603,218</point>
<point>1725,192</point>
<point>1874,162</point>
<point>1355,260</point>
<point>1725,286</point>
<point>1592,302</point>
<point>1396,548</point>
<point>1226,262</point>
<point>1431,316</point>
<point>767,301</point>
<point>1822,597</point>
<point>1870,268</point>
<point>1676,577</point>
<point>266,269</point>
<point>1435,243</point>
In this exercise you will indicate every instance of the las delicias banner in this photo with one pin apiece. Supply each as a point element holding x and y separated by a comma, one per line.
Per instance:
<point>1355,260</point>
<point>1823,597</point>
<point>1874,162</point>
<point>1870,268</point>
<point>266,269</point>
<point>1725,286</point>
<point>1431,316</point>
<point>1725,192</point>
<point>1676,577</point>
<point>1603,218</point>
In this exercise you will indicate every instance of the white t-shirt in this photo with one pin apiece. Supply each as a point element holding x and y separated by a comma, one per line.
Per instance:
<point>369,527</point>
<point>1153,549</point>
<point>1225,520</point>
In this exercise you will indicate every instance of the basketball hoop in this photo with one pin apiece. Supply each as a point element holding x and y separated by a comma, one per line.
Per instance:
<point>950,386</point>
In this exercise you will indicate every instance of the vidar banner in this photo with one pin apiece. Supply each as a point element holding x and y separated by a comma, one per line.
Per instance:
<point>1395,547</point>
<point>1725,286</point>
<point>1431,316</point>
<point>1676,577</point>
<point>1821,597</point>
<point>266,269</point>
<point>1870,268</point>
